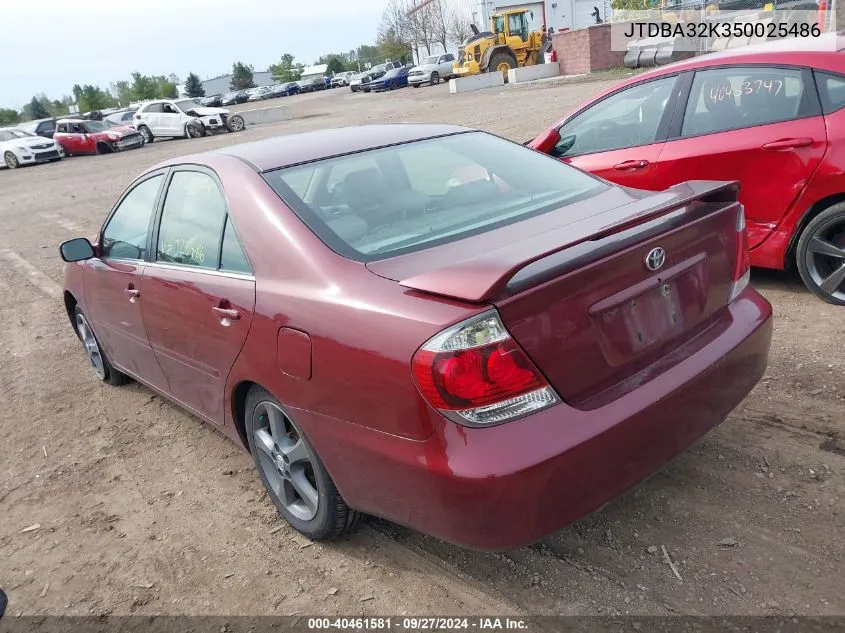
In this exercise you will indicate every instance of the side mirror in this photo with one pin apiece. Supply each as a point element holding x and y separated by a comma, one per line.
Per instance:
<point>546,141</point>
<point>76,250</point>
<point>564,145</point>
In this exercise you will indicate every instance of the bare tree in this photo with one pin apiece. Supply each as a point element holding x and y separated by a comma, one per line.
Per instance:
<point>420,17</point>
<point>458,25</point>
<point>395,32</point>
<point>439,28</point>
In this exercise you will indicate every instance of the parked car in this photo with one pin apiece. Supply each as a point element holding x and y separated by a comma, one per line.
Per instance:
<point>78,136</point>
<point>356,81</point>
<point>261,93</point>
<point>183,117</point>
<point>311,84</point>
<point>287,89</point>
<point>392,79</point>
<point>341,79</point>
<point>553,338</point>
<point>40,127</point>
<point>370,77</point>
<point>431,70</point>
<point>121,117</point>
<point>18,147</point>
<point>239,96</point>
<point>212,101</point>
<point>769,116</point>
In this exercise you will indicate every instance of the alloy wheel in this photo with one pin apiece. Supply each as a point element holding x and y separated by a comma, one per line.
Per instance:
<point>236,123</point>
<point>825,258</point>
<point>11,160</point>
<point>92,348</point>
<point>285,461</point>
<point>145,134</point>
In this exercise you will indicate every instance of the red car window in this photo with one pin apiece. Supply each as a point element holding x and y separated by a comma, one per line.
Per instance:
<point>627,118</point>
<point>724,99</point>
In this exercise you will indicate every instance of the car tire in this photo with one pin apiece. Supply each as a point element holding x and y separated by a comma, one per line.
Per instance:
<point>11,160</point>
<point>287,464</point>
<point>145,133</point>
<point>96,356</point>
<point>434,79</point>
<point>194,129</point>
<point>235,123</point>
<point>820,255</point>
<point>416,85</point>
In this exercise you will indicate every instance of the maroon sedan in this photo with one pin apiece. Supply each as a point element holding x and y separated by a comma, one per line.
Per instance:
<point>426,323</point>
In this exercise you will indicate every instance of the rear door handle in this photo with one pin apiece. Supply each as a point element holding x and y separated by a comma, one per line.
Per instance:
<point>629,165</point>
<point>789,143</point>
<point>132,294</point>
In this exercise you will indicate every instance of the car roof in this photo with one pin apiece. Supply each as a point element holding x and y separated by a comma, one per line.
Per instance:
<point>284,151</point>
<point>784,51</point>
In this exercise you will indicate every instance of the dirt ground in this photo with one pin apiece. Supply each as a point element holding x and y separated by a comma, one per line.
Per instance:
<point>143,509</point>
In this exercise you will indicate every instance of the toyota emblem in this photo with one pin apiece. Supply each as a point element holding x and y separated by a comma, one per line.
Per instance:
<point>655,259</point>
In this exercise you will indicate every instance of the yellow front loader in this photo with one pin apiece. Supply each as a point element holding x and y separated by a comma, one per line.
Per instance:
<point>508,44</point>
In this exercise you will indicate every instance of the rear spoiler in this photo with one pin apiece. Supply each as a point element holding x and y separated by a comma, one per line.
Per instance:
<point>485,277</point>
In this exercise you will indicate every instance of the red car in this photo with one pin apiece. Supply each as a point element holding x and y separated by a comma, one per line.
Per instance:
<point>770,116</point>
<point>426,323</point>
<point>78,136</point>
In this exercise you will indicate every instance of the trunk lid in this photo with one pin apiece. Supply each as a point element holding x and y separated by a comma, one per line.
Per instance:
<point>575,290</point>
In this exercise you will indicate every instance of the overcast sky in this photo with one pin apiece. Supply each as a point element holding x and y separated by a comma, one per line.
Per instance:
<point>50,45</point>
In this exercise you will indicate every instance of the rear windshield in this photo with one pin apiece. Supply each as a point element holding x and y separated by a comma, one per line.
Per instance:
<point>385,202</point>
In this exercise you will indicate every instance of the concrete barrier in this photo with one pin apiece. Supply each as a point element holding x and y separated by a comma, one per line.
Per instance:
<point>476,82</point>
<point>531,73</point>
<point>265,115</point>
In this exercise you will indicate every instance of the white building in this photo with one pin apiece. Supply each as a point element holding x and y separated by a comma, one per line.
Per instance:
<point>314,71</point>
<point>558,14</point>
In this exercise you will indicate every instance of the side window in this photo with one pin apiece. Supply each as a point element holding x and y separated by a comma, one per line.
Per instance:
<point>232,258</point>
<point>831,91</point>
<point>153,108</point>
<point>191,221</point>
<point>628,118</point>
<point>61,127</point>
<point>169,109</point>
<point>449,58</point>
<point>732,98</point>
<point>44,127</point>
<point>125,236</point>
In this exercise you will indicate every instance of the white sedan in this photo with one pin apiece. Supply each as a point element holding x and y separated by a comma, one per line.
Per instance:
<point>184,118</point>
<point>22,148</point>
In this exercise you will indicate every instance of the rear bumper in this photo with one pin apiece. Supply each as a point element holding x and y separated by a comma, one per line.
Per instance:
<point>510,485</point>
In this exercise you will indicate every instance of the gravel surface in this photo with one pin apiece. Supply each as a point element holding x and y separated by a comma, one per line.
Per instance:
<point>112,500</point>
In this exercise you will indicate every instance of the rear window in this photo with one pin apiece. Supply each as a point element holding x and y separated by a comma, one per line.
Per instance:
<point>385,202</point>
<point>831,91</point>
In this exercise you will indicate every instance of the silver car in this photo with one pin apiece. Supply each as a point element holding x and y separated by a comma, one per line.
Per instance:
<point>431,70</point>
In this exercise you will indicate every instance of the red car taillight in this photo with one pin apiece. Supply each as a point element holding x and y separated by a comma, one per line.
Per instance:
<point>742,265</point>
<point>475,374</point>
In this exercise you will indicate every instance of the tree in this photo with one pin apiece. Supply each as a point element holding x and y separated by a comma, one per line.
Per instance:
<point>396,35</point>
<point>9,116</point>
<point>335,65</point>
<point>35,109</point>
<point>459,26</point>
<point>93,98</point>
<point>193,86</point>
<point>439,23</point>
<point>122,90</point>
<point>285,70</point>
<point>241,76</point>
<point>421,26</point>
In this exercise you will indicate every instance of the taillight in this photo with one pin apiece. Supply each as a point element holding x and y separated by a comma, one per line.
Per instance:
<point>475,374</point>
<point>742,263</point>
